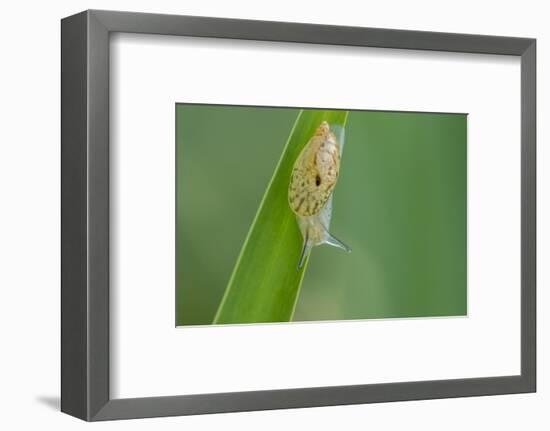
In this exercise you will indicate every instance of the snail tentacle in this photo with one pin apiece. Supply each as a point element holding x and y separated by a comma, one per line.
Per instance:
<point>335,242</point>
<point>308,245</point>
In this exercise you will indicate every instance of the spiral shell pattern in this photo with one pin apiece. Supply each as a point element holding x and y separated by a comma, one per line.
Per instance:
<point>315,173</point>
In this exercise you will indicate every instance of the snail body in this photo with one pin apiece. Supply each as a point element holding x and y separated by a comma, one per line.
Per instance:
<point>314,176</point>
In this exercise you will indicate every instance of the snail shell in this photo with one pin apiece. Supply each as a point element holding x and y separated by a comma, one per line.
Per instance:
<point>315,173</point>
<point>312,183</point>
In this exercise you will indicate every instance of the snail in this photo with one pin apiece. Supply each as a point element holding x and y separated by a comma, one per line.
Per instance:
<point>312,183</point>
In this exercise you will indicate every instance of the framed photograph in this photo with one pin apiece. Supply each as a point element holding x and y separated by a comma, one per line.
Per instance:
<point>264,215</point>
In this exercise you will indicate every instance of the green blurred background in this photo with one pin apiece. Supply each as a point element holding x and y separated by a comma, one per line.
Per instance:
<point>400,203</point>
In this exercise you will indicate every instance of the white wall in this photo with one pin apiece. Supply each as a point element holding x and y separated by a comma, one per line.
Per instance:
<point>30,201</point>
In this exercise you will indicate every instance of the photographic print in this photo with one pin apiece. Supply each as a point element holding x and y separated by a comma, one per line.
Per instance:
<point>289,214</point>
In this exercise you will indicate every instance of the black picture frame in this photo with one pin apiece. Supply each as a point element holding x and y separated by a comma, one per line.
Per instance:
<point>85,214</point>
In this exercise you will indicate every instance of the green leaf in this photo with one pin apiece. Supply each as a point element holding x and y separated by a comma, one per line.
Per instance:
<point>265,283</point>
